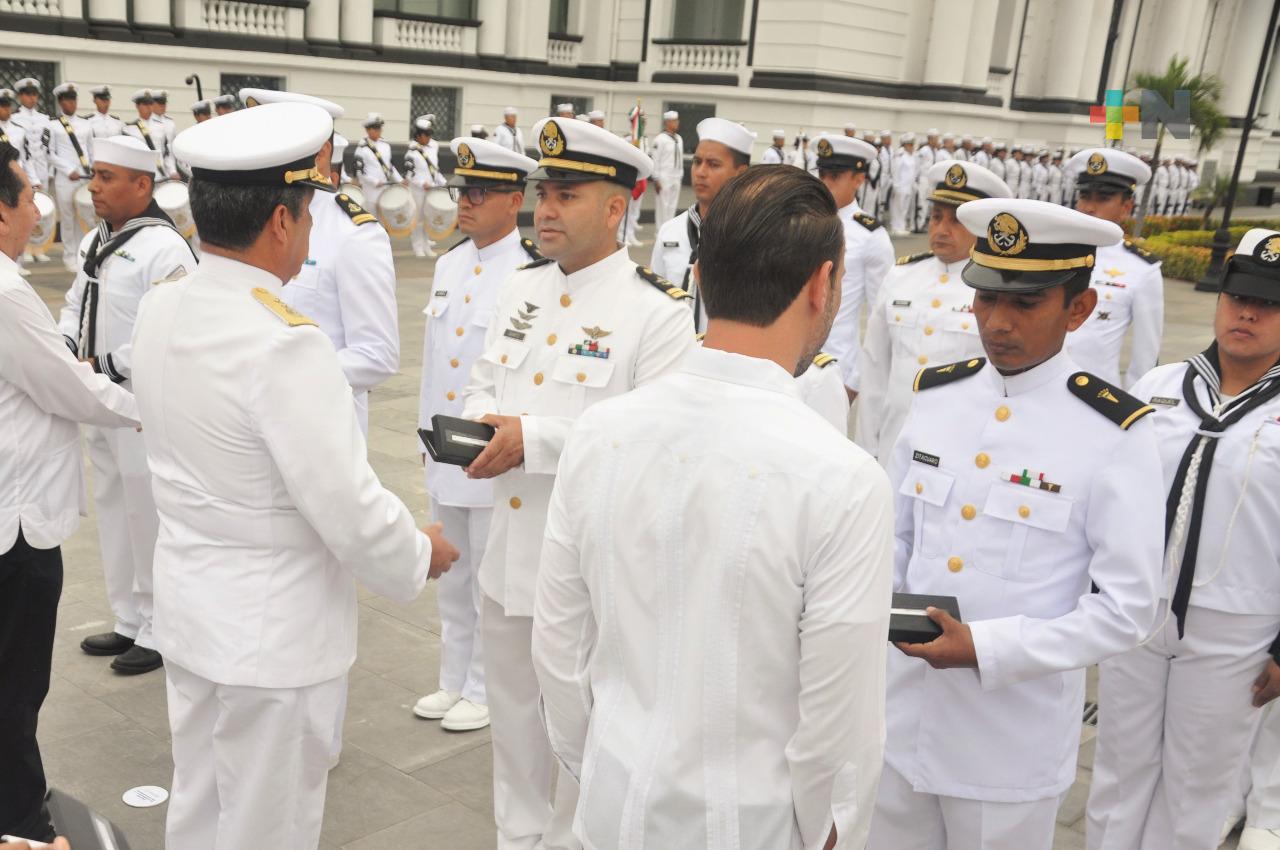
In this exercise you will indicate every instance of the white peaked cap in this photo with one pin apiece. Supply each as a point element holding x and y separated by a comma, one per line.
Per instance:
<point>271,145</point>
<point>259,97</point>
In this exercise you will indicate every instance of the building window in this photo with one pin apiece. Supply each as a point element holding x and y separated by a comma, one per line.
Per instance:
<point>690,115</point>
<point>12,70</point>
<point>462,10</point>
<point>707,20</point>
<point>581,105</point>
<point>559,20</point>
<point>440,102</point>
<point>232,83</point>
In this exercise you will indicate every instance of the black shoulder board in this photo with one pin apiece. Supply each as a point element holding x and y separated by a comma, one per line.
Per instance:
<point>531,249</point>
<point>359,215</point>
<point>823,360</point>
<point>870,222</point>
<point>1133,248</point>
<point>927,379</point>
<point>914,258</point>
<point>464,241</point>
<point>1112,402</point>
<point>662,283</point>
<point>536,263</point>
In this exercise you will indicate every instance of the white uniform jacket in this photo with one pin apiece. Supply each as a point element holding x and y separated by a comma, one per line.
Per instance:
<point>420,169</point>
<point>773,155</point>
<point>17,137</point>
<point>44,392</point>
<point>530,369</point>
<point>1130,289</point>
<point>868,256</point>
<point>375,169</point>
<point>667,152</point>
<point>511,138</point>
<point>36,125</point>
<point>711,611</point>
<point>464,293</point>
<point>64,159</point>
<point>103,125</point>
<point>922,317</point>
<point>268,506</point>
<point>1019,558</point>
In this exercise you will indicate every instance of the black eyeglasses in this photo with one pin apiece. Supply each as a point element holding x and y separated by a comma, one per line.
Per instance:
<point>475,194</point>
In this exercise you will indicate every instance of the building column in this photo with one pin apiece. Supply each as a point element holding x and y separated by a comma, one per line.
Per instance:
<point>322,21</point>
<point>151,12</point>
<point>1240,64</point>
<point>357,22</point>
<point>595,25</point>
<point>949,32</point>
<point>977,64</point>
<point>1067,48</point>
<point>1095,45</point>
<point>527,29</point>
<point>492,38</point>
<point>1169,25</point>
<point>109,10</point>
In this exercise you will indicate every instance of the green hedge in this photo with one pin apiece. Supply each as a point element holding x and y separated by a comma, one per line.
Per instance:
<point>1184,247</point>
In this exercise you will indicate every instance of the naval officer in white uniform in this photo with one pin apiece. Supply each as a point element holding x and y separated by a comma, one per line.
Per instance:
<point>70,167</point>
<point>1178,712</point>
<point>1020,481</point>
<point>923,314</point>
<point>1127,278</point>
<point>489,185</point>
<point>583,325</point>
<point>269,509</point>
<point>374,168</point>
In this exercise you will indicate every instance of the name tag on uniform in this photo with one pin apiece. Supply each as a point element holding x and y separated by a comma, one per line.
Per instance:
<point>440,293</point>
<point>518,336</point>
<point>1164,400</point>
<point>902,303</point>
<point>925,458</point>
<point>670,244</point>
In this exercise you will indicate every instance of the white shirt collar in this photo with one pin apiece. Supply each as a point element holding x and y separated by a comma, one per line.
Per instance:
<point>242,274</point>
<point>510,242</point>
<point>717,365</point>
<point>611,266</point>
<point>1058,366</point>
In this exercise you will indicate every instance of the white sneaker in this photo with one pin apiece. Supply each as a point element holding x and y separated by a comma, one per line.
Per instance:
<point>28,257</point>
<point>466,716</point>
<point>429,254</point>
<point>42,258</point>
<point>437,705</point>
<point>1259,839</point>
<point>25,272</point>
<point>334,758</point>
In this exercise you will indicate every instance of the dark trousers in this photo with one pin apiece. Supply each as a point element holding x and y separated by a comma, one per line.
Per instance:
<point>30,584</point>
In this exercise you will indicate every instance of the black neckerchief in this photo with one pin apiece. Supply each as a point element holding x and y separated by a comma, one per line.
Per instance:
<point>693,227</point>
<point>1193,484</point>
<point>104,244</point>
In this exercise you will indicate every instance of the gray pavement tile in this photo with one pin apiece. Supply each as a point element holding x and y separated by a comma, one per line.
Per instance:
<point>374,800</point>
<point>466,777</point>
<point>454,826</point>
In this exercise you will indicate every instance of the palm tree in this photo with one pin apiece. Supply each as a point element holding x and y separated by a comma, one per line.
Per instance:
<point>1213,196</point>
<point>1207,120</point>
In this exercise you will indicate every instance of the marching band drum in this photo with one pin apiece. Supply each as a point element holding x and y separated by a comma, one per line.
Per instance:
<point>42,235</point>
<point>441,213</point>
<point>396,210</point>
<point>174,198</point>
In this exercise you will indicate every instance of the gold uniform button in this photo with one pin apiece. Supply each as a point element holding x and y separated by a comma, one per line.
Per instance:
<point>897,318</point>
<point>477,270</point>
<point>928,331</point>
<point>503,358</point>
<point>537,378</point>
<point>551,340</point>
<point>1108,296</point>
<point>454,362</point>
<point>1024,511</point>
<point>582,376</point>
<point>451,395</point>
<point>1082,381</point>
<point>515,503</point>
<point>919,487</point>
<point>565,300</point>
<point>922,360</point>
<point>943,278</point>
<point>1002,413</point>
<point>459,331</point>
<point>964,326</point>
<point>968,512</point>
<point>466,299</point>
<point>955,564</point>
<point>982,461</point>
<point>937,302</point>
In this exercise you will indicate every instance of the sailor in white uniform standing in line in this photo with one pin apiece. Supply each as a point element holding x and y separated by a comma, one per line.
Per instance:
<point>667,151</point>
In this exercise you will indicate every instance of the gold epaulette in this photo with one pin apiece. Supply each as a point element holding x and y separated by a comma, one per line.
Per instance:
<point>1108,399</point>
<point>823,360</point>
<point>662,283</point>
<point>927,379</point>
<point>358,214</point>
<point>290,316</point>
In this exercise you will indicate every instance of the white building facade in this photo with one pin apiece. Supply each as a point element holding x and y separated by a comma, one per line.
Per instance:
<point>1021,71</point>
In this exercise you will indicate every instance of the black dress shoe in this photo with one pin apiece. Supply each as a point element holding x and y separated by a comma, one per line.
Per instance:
<point>109,643</point>
<point>137,660</point>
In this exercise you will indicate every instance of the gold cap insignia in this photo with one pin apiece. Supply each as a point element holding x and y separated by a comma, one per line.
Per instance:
<point>251,101</point>
<point>1269,251</point>
<point>551,141</point>
<point>1097,164</point>
<point>956,178</point>
<point>466,159</point>
<point>824,148</point>
<point>1006,235</point>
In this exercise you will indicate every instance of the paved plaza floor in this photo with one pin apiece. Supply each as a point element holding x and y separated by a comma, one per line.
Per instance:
<point>402,782</point>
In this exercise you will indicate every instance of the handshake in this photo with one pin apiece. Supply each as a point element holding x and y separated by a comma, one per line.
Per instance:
<point>443,554</point>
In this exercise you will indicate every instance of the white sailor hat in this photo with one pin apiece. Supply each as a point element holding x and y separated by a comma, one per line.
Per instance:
<point>65,90</point>
<point>101,91</point>
<point>225,100</point>
<point>595,115</point>
<point>779,133</point>
<point>932,131</point>
<point>957,182</point>
<point>143,96</point>
<point>849,125</point>
<point>422,124</point>
<point>510,110</point>
<point>1026,246</point>
<point>260,97</point>
<point>272,145</point>
<point>986,140</point>
<point>565,107</point>
<point>999,146</point>
<point>670,115</point>
<point>484,163</point>
<point>124,151</point>
<point>575,151</point>
<point>844,152</point>
<point>1253,271</point>
<point>948,137</point>
<point>907,138</point>
<point>581,116</point>
<point>731,134</point>
<point>160,96</point>
<point>339,148</point>
<point>202,107</point>
<point>477,128</point>
<point>373,119</point>
<point>1028,149</point>
<point>966,138</point>
<point>27,84</point>
<point>1108,168</point>
<point>884,133</point>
